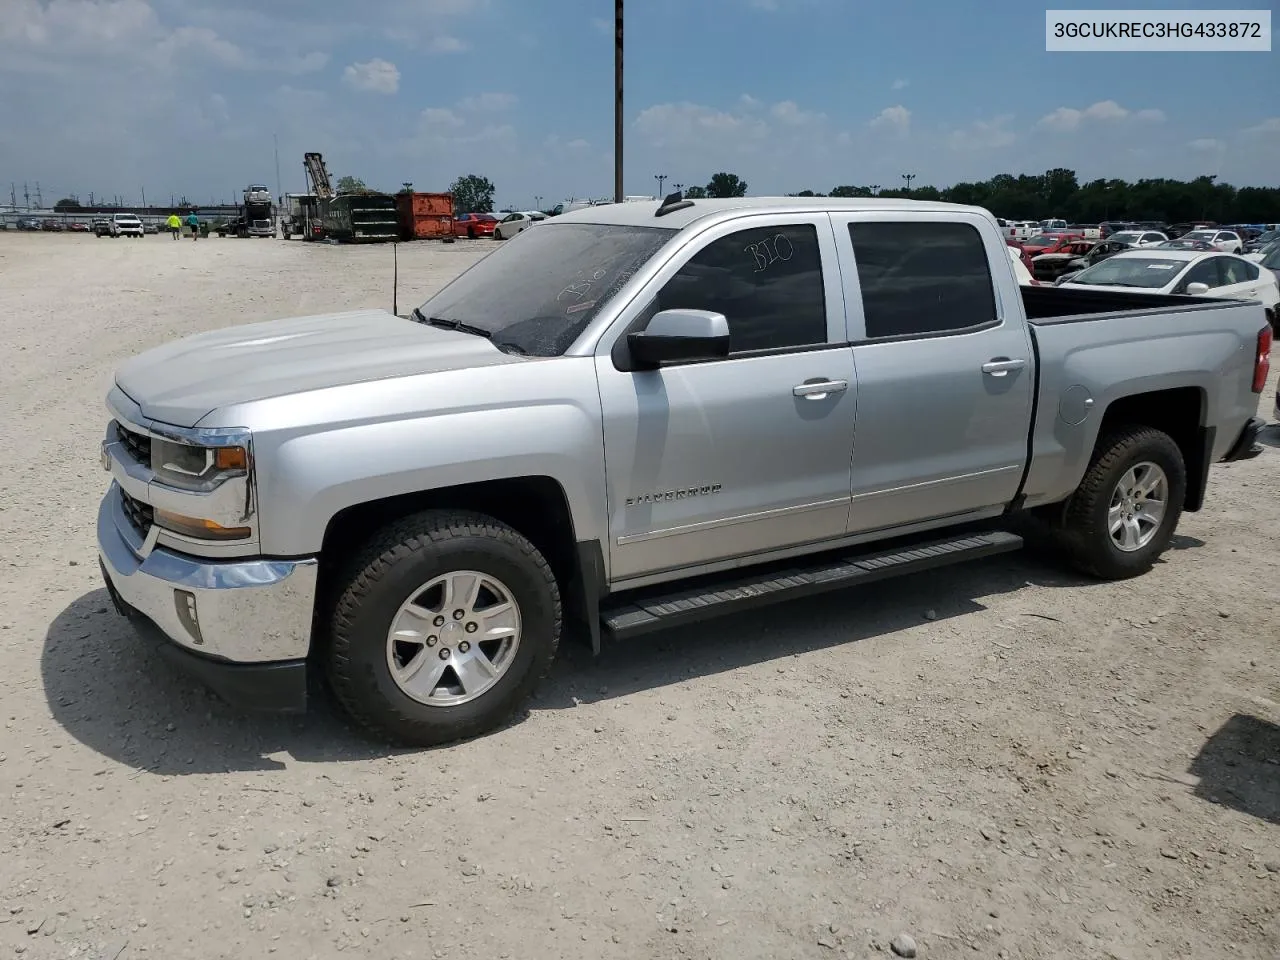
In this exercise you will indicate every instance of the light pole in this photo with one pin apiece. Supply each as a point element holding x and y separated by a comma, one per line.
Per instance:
<point>661,178</point>
<point>537,203</point>
<point>678,187</point>
<point>875,189</point>
<point>617,101</point>
<point>908,177</point>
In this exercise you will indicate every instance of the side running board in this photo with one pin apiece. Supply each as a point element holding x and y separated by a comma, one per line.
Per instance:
<point>641,614</point>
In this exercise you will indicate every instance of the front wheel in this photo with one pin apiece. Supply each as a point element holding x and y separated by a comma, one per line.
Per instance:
<point>1122,516</point>
<point>441,628</point>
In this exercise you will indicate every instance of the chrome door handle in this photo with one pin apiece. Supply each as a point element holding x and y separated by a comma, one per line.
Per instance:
<point>1001,367</point>
<point>818,390</point>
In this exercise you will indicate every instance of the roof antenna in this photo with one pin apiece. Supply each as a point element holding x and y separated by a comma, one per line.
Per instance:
<point>671,203</point>
<point>395,278</point>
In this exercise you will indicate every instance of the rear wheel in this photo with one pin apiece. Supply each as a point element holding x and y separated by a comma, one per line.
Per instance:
<point>441,628</point>
<point>1122,516</point>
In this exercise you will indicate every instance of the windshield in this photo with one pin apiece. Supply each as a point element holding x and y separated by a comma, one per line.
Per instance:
<point>1205,235</point>
<point>1044,240</point>
<point>1125,236</point>
<point>538,291</point>
<point>1271,259</point>
<point>1149,273</point>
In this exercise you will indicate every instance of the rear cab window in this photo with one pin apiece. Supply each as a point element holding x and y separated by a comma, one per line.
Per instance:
<point>922,278</point>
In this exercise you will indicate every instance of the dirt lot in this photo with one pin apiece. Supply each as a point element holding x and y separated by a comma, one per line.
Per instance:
<point>999,760</point>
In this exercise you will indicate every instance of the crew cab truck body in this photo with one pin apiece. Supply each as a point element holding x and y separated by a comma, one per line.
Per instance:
<point>636,415</point>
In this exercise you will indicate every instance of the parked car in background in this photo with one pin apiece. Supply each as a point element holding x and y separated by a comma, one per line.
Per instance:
<point>78,226</point>
<point>1263,253</point>
<point>125,225</point>
<point>1185,272</point>
<point>149,226</point>
<point>1183,243</point>
<point>1051,263</point>
<point>1023,256</point>
<point>1049,243</point>
<point>472,225</point>
<point>1261,240</point>
<point>29,223</point>
<point>52,226</point>
<point>1228,241</point>
<point>1095,254</point>
<point>517,222</point>
<point>1020,269</point>
<point>101,227</point>
<point>1138,238</point>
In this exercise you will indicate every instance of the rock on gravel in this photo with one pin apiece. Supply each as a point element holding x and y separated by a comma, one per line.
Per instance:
<point>903,945</point>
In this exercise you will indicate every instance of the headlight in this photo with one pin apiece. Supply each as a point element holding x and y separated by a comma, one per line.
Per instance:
<point>199,469</point>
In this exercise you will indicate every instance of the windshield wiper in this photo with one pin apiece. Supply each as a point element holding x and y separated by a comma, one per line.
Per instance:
<point>451,324</point>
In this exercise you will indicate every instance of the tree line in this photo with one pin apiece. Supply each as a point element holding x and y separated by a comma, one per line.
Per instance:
<point>1058,193</point>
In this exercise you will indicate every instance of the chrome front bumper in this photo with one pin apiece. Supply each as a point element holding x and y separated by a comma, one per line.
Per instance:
<point>242,611</point>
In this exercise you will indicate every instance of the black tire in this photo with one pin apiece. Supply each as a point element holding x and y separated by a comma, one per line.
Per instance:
<point>1083,535</point>
<point>471,233</point>
<point>399,560</point>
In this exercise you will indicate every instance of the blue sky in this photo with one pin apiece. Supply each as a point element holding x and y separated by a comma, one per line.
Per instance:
<point>185,96</point>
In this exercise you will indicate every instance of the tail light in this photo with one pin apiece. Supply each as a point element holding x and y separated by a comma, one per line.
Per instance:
<point>1262,362</point>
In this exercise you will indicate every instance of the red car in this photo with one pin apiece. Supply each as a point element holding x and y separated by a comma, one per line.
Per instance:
<point>1050,243</point>
<point>1022,255</point>
<point>472,225</point>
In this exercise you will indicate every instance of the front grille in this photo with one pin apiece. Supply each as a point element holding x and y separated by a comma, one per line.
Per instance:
<point>138,444</point>
<point>140,515</point>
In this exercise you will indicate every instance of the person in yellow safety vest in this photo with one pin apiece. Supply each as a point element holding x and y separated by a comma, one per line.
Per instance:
<point>174,225</point>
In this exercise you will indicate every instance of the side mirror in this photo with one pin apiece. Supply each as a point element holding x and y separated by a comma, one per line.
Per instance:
<point>1197,289</point>
<point>678,335</point>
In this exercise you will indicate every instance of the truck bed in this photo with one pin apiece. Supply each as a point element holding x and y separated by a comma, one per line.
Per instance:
<point>1046,304</point>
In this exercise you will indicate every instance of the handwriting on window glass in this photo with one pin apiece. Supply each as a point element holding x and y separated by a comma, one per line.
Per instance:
<point>579,288</point>
<point>771,250</point>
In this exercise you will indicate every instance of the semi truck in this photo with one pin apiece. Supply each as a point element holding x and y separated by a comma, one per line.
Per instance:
<point>255,216</point>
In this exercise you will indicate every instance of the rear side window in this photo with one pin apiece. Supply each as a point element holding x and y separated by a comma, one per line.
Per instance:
<point>922,278</point>
<point>766,281</point>
<point>1238,271</point>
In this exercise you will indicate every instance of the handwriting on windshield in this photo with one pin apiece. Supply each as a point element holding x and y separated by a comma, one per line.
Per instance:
<point>771,250</point>
<point>580,287</point>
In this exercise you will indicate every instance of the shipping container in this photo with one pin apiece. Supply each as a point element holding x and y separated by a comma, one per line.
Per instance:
<point>361,217</point>
<point>425,216</point>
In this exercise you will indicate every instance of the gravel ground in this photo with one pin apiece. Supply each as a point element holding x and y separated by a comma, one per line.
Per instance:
<point>999,760</point>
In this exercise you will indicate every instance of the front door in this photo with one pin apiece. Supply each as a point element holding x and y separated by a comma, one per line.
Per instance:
<point>727,459</point>
<point>945,369</point>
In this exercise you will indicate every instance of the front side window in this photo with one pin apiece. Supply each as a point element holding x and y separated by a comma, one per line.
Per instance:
<point>767,282</point>
<point>922,278</point>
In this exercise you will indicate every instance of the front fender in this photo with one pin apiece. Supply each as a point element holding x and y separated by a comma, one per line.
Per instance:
<point>312,478</point>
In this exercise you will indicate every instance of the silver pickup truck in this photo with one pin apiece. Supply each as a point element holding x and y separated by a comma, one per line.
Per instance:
<point>635,416</point>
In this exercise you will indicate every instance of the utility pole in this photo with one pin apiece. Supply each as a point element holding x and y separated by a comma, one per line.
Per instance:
<point>26,195</point>
<point>661,178</point>
<point>537,203</point>
<point>617,101</point>
<point>908,177</point>
<point>144,198</point>
<point>275,139</point>
<point>13,196</point>
<point>39,198</point>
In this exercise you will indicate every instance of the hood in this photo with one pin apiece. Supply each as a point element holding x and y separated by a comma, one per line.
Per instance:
<point>182,382</point>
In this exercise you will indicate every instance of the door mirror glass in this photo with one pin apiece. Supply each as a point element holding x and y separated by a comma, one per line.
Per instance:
<point>1197,289</point>
<point>674,336</point>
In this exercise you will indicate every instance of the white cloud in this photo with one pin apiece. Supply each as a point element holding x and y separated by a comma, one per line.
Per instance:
<point>487,102</point>
<point>691,124</point>
<point>1207,145</point>
<point>373,76</point>
<point>900,85</point>
<point>440,117</point>
<point>1069,119</point>
<point>984,134</point>
<point>578,144</point>
<point>1269,126</point>
<point>895,119</point>
<point>788,112</point>
<point>443,43</point>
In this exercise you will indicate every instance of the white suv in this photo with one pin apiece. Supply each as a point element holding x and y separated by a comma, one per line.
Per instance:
<point>125,225</point>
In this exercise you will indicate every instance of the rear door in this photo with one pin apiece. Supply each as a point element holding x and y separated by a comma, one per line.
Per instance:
<point>945,368</point>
